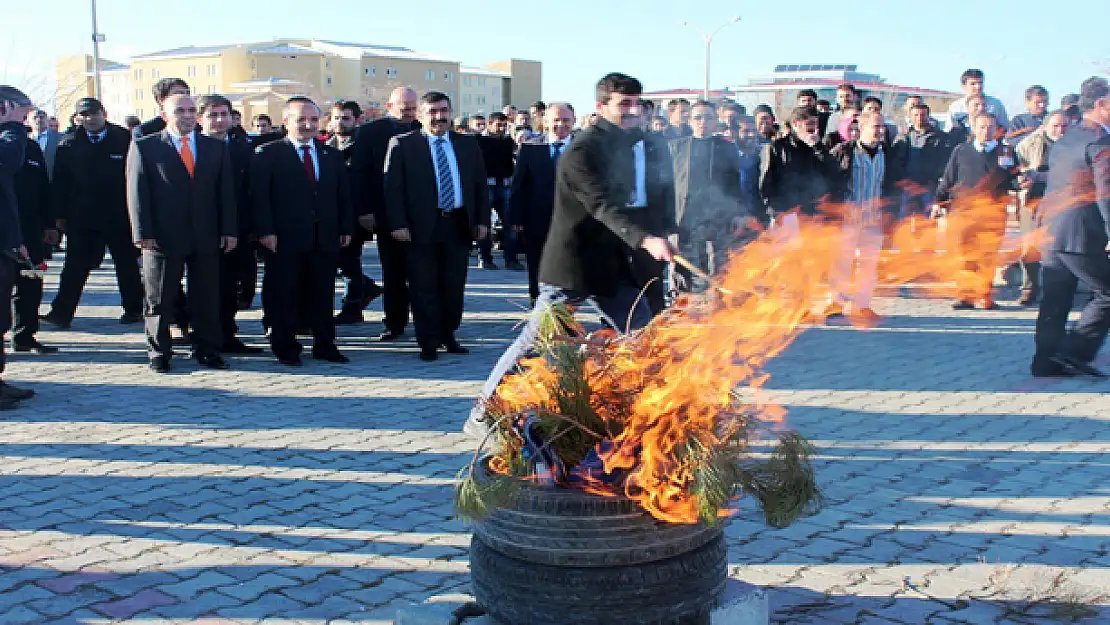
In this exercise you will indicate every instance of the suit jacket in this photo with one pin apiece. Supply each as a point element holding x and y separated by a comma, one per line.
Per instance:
<point>1077,202</point>
<point>793,175</point>
<point>305,216</point>
<point>368,164</point>
<point>241,156</point>
<point>843,158</point>
<point>411,188</point>
<point>719,201</point>
<point>32,188</point>
<point>182,215</point>
<point>532,195</point>
<point>53,138</point>
<point>90,181</point>
<point>593,231</point>
<point>151,126</point>
<point>13,149</point>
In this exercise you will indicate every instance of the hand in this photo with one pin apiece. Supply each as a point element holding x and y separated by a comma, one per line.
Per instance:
<point>366,222</point>
<point>658,247</point>
<point>50,236</point>
<point>269,242</point>
<point>60,223</point>
<point>401,234</point>
<point>147,244</point>
<point>480,232</point>
<point>228,243</point>
<point>344,240</point>
<point>23,252</point>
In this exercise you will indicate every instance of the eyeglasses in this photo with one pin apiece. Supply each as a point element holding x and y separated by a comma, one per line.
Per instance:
<point>702,117</point>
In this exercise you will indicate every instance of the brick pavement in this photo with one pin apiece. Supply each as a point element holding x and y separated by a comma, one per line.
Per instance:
<point>957,486</point>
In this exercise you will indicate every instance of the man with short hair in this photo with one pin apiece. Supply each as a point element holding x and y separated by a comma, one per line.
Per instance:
<point>728,116</point>
<point>795,168</point>
<point>498,151</point>
<point>1033,156</point>
<point>807,98</point>
<point>960,128</point>
<point>162,89</point>
<point>303,217</point>
<point>46,138</point>
<point>926,150</point>
<point>181,199</point>
<point>747,143</point>
<point>436,203</point>
<point>1077,211</point>
<point>678,119</point>
<point>89,192</point>
<point>263,125</point>
<point>368,189</point>
<point>537,112</point>
<point>478,124</point>
<point>1036,101</point>
<point>32,186</point>
<point>972,82</point>
<point>14,106</point>
<point>846,96</point>
<point>764,123</point>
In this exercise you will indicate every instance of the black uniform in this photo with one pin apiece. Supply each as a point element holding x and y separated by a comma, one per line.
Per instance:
<point>89,192</point>
<point>13,144</point>
<point>361,289</point>
<point>32,187</point>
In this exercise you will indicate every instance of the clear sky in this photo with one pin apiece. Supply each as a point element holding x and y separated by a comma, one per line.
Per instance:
<point>918,44</point>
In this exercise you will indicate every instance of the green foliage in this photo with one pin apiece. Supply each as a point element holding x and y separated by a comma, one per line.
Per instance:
<point>784,484</point>
<point>475,499</point>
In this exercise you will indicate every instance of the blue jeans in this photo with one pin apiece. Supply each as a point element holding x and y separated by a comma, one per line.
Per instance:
<point>625,308</point>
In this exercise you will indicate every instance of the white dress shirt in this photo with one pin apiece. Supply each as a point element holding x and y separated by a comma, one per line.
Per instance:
<point>552,140</point>
<point>176,138</point>
<point>42,139</point>
<point>639,191</point>
<point>452,163</point>
<point>311,150</point>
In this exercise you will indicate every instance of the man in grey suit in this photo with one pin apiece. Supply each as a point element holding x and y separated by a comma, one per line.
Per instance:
<point>47,139</point>
<point>1077,210</point>
<point>181,197</point>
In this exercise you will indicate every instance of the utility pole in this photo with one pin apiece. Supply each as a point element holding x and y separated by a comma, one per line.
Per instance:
<point>708,43</point>
<point>97,39</point>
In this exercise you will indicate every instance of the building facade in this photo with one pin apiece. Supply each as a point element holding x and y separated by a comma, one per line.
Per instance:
<point>259,77</point>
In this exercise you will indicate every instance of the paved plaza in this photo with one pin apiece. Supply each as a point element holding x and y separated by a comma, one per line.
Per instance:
<point>959,489</point>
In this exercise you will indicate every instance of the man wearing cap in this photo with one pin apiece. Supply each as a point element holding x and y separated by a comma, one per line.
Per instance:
<point>90,202</point>
<point>14,105</point>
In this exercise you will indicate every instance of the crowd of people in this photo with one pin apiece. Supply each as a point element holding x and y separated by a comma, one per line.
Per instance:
<point>190,202</point>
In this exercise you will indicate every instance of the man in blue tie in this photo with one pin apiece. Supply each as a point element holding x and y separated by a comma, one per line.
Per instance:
<point>436,204</point>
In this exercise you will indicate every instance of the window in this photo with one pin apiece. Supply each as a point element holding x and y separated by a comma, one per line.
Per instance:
<point>327,64</point>
<point>138,94</point>
<point>466,98</point>
<point>211,88</point>
<point>254,64</point>
<point>430,75</point>
<point>466,81</point>
<point>155,74</point>
<point>211,69</point>
<point>390,72</point>
<point>138,74</point>
<point>449,76</point>
<point>328,80</point>
<point>481,82</point>
<point>192,71</point>
<point>370,71</point>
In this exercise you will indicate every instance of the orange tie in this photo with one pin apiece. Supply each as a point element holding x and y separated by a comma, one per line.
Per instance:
<point>187,156</point>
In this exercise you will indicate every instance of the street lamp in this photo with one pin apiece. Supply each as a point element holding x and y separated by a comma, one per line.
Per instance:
<point>709,40</point>
<point>97,39</point>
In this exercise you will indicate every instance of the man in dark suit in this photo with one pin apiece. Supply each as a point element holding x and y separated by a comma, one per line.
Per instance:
<point>181,197</point>
<point>215,122</point>
<point>303,216</point>
<point>436,203</point>
<point>46,138</point>
<point>600,197</point>
<point>532,195</point>
<point>89,192</point>
<point>368,187</point>
<point>161,90</point>
<point>32,186</point>
<point>1077,211</point>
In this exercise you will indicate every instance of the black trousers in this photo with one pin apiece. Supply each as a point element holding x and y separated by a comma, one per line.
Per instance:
<point>395,282</point>
<point>437,275</point>
<point>350,267</point>
<point>84,252</point>
<point>293,278</point>
<point>247,276</point>
<point>230,267</point>
<point>533,252</point>
<point>647,274</point>
<point>1059,281</point>
<point>25,301</point>
<point>8,272</point>
<point>162,277</point>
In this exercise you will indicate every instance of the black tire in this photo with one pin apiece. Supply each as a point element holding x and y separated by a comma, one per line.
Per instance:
<point>679,591</point>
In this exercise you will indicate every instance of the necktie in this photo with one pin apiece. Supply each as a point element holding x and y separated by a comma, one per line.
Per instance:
<point>187,156</point>
<point>558,145</point>
<point>309,166</point>
<point>446,182</point>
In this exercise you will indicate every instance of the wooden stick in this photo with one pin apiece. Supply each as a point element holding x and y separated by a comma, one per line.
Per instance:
<point>694,269</point>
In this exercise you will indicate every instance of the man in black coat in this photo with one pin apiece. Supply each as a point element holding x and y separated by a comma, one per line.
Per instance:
<point>600,200</point>
<point>181,199</point>
<point>303,216</point>
<point>794,171</point>
<point>498,152</point>
<point>215,120</point>
<point>532,195</point>
<point>14,105</point>
<point>368,188</point>
<point>161,90</point>
<point>89,192</point>
<point>436,203</point>
<point>32,185</point>
<point>1077,209</point>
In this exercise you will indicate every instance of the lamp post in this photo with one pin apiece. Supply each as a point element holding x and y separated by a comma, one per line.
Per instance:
<point>97,39</point>
<point>708,41</point>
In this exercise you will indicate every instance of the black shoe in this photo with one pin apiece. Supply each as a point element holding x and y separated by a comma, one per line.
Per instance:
<point>373,292</point>
<point>963,304</point>
<point>330,356</point>
<point>213,361</point>
<point>453,347</point>
<point>989,304</point>
<point>160,364</point>
<point>390,335</point>
<point>56,321</point>
<point>131,318</point>
<point>1028,299</point>
<point>293,360</point>
<point>1073,364</point>
<point>243,304</point>
<point>348,316</point>
<point>14,393</point>
<point>515,266</point>
<point>303,331</point>
<point>428,355</point>
<point>487,264</point>
<point>236,346</point>
<point>34,346</point>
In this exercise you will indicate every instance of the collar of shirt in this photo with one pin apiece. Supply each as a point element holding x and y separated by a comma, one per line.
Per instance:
<point>98,135</point>
<point>433,138</point>
<point>990,145</point>
<point>177,140</point>
<point>552,139</point>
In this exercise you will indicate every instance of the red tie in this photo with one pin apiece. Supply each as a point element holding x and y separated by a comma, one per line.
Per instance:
<point>309,168</point>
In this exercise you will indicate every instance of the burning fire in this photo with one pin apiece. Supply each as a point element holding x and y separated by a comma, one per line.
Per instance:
<point>683,370</point>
